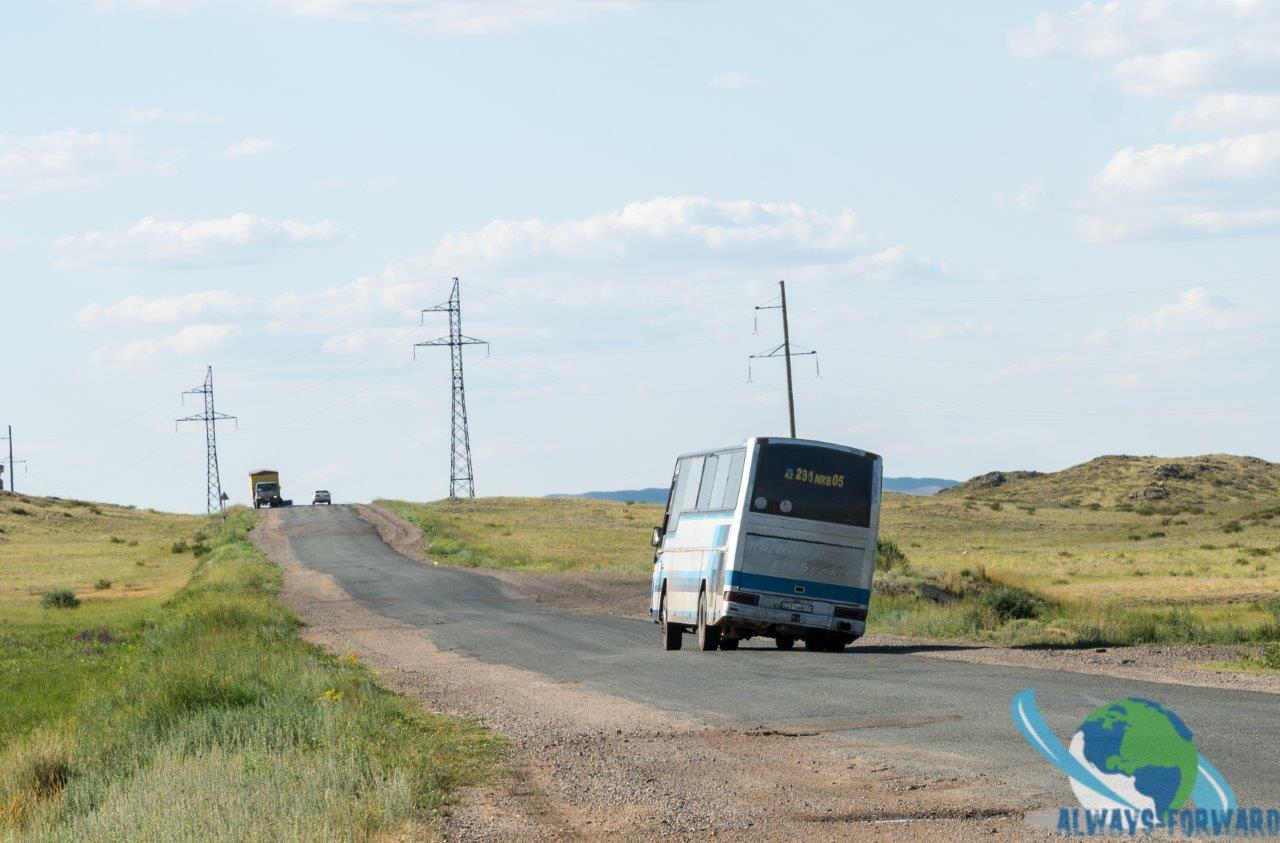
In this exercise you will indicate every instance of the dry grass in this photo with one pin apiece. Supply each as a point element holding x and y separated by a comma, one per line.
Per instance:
<point>537,534</point>
<point>48,543</point>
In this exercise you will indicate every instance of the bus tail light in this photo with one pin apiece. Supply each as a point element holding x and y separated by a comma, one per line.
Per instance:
<point>742,597</point>
<point>857,613</point>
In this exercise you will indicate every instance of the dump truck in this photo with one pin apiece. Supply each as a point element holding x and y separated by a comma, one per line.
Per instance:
<point>264,488</point>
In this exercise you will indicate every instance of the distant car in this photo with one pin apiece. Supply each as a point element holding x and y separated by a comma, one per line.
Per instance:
<point>322,496</point>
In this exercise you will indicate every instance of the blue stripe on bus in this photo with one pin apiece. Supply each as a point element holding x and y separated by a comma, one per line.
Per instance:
<point>786,585</point>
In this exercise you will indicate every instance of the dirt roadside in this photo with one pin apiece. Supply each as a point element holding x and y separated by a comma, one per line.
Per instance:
<point>626,596</point>
<point>589,766</point>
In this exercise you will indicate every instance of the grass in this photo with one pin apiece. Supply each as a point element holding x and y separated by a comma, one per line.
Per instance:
<point>1059,573</point>
<point>537,534</point>
<point>199,713</point>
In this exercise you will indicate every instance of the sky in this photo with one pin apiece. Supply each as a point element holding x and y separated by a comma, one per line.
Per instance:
<point>1018,236</point>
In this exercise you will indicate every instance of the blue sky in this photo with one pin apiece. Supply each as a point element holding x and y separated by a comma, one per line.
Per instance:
<point>1019,237</point>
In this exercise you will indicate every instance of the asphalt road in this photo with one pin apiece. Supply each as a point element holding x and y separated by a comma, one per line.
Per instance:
<point>884,703</point>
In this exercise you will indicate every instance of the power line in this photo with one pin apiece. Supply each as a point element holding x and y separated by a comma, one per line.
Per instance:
<point>12,477</point>
<point>784,351</point>
<point>213,480</point>
<point>461,476</point>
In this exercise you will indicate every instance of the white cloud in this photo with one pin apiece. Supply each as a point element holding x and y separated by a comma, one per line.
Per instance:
<point>462,17</point>
<point>1160,47</point>
<point>1226,53</point>
<point>189,340</point>
<point>143,5</point>
<point>365,339</point>
<point>1023,197</point>
<point>1167,165</point>
<point>1173,221</point>
<point>64,160</point>
<point>735,80</point>
<point>668,246</point>
<point>879,266</point>
<point>368,297</point>
<point>1220,223</point>
<point>164,308</point>
<point>1220,111</point>
<point>138,116</point>
<point>235,239</point>
<point>458,17</point>
<point>661,231</point>
<point>251,148</point>
<point>937,331</point>
<point>1194,309</point>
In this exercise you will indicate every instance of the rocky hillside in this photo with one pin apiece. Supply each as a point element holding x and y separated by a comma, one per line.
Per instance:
<point>1128,481</point>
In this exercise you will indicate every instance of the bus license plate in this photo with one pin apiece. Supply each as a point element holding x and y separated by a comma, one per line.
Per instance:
<point>794,606</point>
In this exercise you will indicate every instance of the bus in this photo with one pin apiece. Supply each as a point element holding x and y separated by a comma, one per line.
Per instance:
<point>773,538</point>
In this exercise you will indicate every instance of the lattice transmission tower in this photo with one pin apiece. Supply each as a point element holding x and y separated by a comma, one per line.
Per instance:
<point>461,478</point>
<point>210,417</point>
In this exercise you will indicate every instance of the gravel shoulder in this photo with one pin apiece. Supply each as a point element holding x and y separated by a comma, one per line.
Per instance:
<point>627,596</point>
<point>584,765</point>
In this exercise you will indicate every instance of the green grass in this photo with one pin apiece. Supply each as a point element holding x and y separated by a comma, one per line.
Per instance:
<point>1059,574</point>
<point>537,534</point>
<point>1265,661</point>
<point>201,714</point>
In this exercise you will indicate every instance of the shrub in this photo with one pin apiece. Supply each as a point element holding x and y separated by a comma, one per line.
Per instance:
<point>59,598</point>
<point>1156,534</point>
<point>996,506</point>
<point>102,584</point>
<point>1232,527</point>
<point>18,510</point>
<point>117,540</point>
<point>889,555</point>
<point>1011,603</point>
<point>180,546</point>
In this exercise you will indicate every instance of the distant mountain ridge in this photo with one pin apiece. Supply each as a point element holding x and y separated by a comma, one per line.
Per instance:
<point>658,494</point>
<point>918,485</point>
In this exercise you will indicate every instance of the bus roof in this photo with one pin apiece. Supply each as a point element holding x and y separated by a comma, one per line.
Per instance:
<point>788,441</point>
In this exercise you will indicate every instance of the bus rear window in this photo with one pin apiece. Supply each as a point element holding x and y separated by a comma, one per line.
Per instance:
<point>820,484</point>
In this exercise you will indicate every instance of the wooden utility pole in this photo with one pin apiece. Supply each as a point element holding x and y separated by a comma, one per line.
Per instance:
<point>784,351</point>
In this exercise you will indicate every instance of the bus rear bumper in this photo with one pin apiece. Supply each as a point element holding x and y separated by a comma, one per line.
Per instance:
<point>772,619</point>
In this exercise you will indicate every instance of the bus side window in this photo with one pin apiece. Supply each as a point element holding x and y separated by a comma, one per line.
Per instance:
<point>708,486</point>
<point>727,492</point>
<point>686,492</point>
<point>671,498</point>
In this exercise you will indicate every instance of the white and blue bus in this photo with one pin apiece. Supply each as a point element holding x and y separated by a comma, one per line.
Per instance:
<point>775,538</point>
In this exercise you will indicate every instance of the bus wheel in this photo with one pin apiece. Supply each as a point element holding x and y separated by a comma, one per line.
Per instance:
<point>815,644</point>
<point>708,636</point>
<point>672,635</point>
<point>727,643</point>
<point>835,645</point>
<point>784,642</point>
